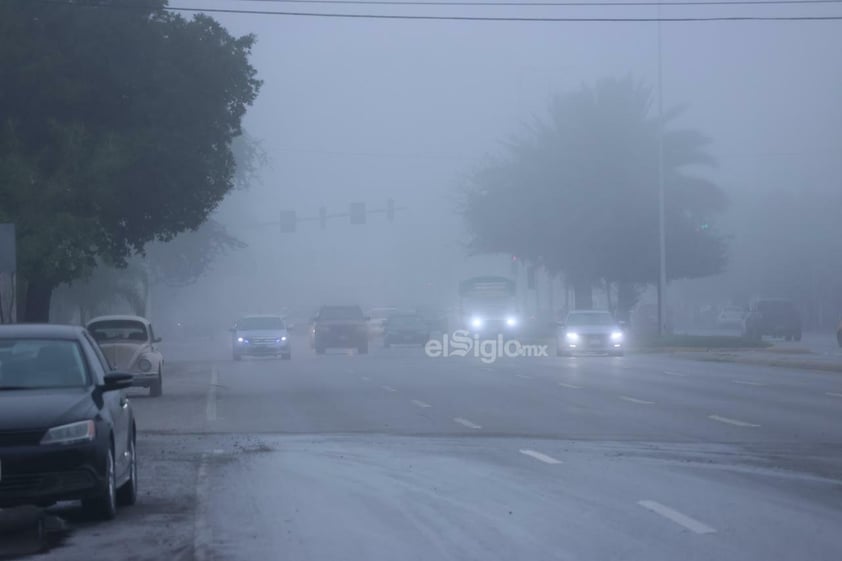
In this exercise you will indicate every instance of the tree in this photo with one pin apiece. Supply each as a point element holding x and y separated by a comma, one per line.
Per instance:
<point>580,191</point>
<point>116,131</point>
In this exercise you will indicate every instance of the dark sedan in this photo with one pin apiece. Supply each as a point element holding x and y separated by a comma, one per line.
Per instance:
<point>406,329</point>
<point>67,431</point>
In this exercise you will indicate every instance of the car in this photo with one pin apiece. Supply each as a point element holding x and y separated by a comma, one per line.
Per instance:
<point>377,320</point>
<point>67,429</point>
<point>128,342</point>
<point>774,317</point>
<point>261,335</point>
<point>588,331</point>
<point>731,317</point>
<point>839,334</point>
<point>342,327</point>
<point>410,329</point>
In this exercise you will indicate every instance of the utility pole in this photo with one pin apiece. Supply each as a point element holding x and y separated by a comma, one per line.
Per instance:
<point>662,276</point>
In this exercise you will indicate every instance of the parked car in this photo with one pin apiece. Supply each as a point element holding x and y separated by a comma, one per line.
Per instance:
<point>590,331</point>
<point>406,329</point>
<point>67,429</point>
<point>129,344</point>
<point>340,327</point>
<point>774,317</point>
<point>261,335</point>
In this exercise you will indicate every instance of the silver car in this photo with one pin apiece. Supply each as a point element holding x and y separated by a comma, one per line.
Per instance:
<point>261,336</point>
<point>590,331</point>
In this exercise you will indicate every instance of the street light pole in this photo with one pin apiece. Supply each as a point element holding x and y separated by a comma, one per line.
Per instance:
<point>662,277</point>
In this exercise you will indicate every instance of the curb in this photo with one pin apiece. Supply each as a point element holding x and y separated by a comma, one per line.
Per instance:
<point>804,365</point>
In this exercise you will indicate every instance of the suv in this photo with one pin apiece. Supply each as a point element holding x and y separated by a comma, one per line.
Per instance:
<point>342,327</point>
<point>773,317</point>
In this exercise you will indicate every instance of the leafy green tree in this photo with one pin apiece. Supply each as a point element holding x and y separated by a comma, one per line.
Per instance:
<point>578,192</point>
<point>116,130</point>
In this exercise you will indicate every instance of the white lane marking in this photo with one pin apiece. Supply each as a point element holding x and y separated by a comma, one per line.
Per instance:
<point>540,457</point>
<point>202,534</point>
<point>466,423</point>
<point>734,422</point>
<point>524,376</point>
<point>748,383</point>
<point>674,373</point>
<point>832,394</point>
<point>420,403</point>
<point>365,379</point>
<point>569,386</point>
<point>635,400</point>
<point>681,519</point>
<point>389,388</point>
<point>210,408</point>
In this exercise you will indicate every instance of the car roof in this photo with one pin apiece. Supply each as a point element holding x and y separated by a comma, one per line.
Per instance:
<point>124,317</point>
<point>41,330</point>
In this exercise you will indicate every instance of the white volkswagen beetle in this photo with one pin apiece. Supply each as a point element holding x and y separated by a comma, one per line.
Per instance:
<point>128,342</point>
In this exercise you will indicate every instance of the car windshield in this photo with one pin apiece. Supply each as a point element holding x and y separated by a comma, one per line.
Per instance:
<point>341,313</point>
<point>408,321</point>
<point>589,318</point>
<point>41,363</point>
<point>261,323</point>
<point>113,331</point>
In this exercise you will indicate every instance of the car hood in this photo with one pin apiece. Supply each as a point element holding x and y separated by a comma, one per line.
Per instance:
<point>593,329</point>
<point>249,333</point>
<point>42,409</point>
<point>122,356</point>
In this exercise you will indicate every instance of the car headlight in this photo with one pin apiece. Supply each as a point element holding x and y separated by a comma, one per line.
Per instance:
<point>144,365</point>
<point>617,336</point>
<point>240,340</point>
<point>572,337</point>
<point>83,431</point>
<point>476,322</point>
<point>511,321</point>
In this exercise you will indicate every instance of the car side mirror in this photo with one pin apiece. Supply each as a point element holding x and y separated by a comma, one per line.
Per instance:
<point>117,381</point>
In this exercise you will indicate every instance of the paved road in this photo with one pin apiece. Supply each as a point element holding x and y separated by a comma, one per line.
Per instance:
<point>396,456</point>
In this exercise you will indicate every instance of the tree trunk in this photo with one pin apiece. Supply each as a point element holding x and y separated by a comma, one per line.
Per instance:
<point>37,303</point>
<point>627,295</point>
<point>583,294</point>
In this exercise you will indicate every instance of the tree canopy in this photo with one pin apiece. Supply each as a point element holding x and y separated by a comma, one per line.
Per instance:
<point>116,130</point>
<point>578,192</point>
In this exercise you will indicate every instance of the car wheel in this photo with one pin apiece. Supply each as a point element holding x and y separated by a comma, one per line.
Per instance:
<point>104,504</point>
<point>127,493</point>
<point>157,387</point>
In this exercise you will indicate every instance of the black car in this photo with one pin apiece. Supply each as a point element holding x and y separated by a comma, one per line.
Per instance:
<point>773,317</point>
<point>405,329</point>
<point>67,431</point>
<point>340,327</point>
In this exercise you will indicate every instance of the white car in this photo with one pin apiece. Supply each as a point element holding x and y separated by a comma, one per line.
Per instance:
<point>128,342</point>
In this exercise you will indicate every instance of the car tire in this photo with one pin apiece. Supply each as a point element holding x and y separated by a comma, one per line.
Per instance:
<point>157,387</point>
<point>103,505</point>
<point>127,493</point>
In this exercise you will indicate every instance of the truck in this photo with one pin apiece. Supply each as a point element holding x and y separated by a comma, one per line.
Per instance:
<point>488,305</point>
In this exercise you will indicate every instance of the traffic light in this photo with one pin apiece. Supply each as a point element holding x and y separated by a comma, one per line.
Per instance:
<point>323,217</point>
<point>288,221</point>
<point>357,213</point>
<point>390,210</point>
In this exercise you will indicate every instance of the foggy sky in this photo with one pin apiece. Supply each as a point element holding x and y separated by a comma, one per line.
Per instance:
<point>355,110</point>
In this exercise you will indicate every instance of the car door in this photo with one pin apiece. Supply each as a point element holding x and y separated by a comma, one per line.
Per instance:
<point>116,403</point>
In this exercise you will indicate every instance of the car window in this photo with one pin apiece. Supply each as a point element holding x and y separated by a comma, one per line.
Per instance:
<point>258,323</point>
<point>112,331</point>
<point>341,313</point>
<point>101,358</point>
<point>42,363</point>
<point>589,318</point>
